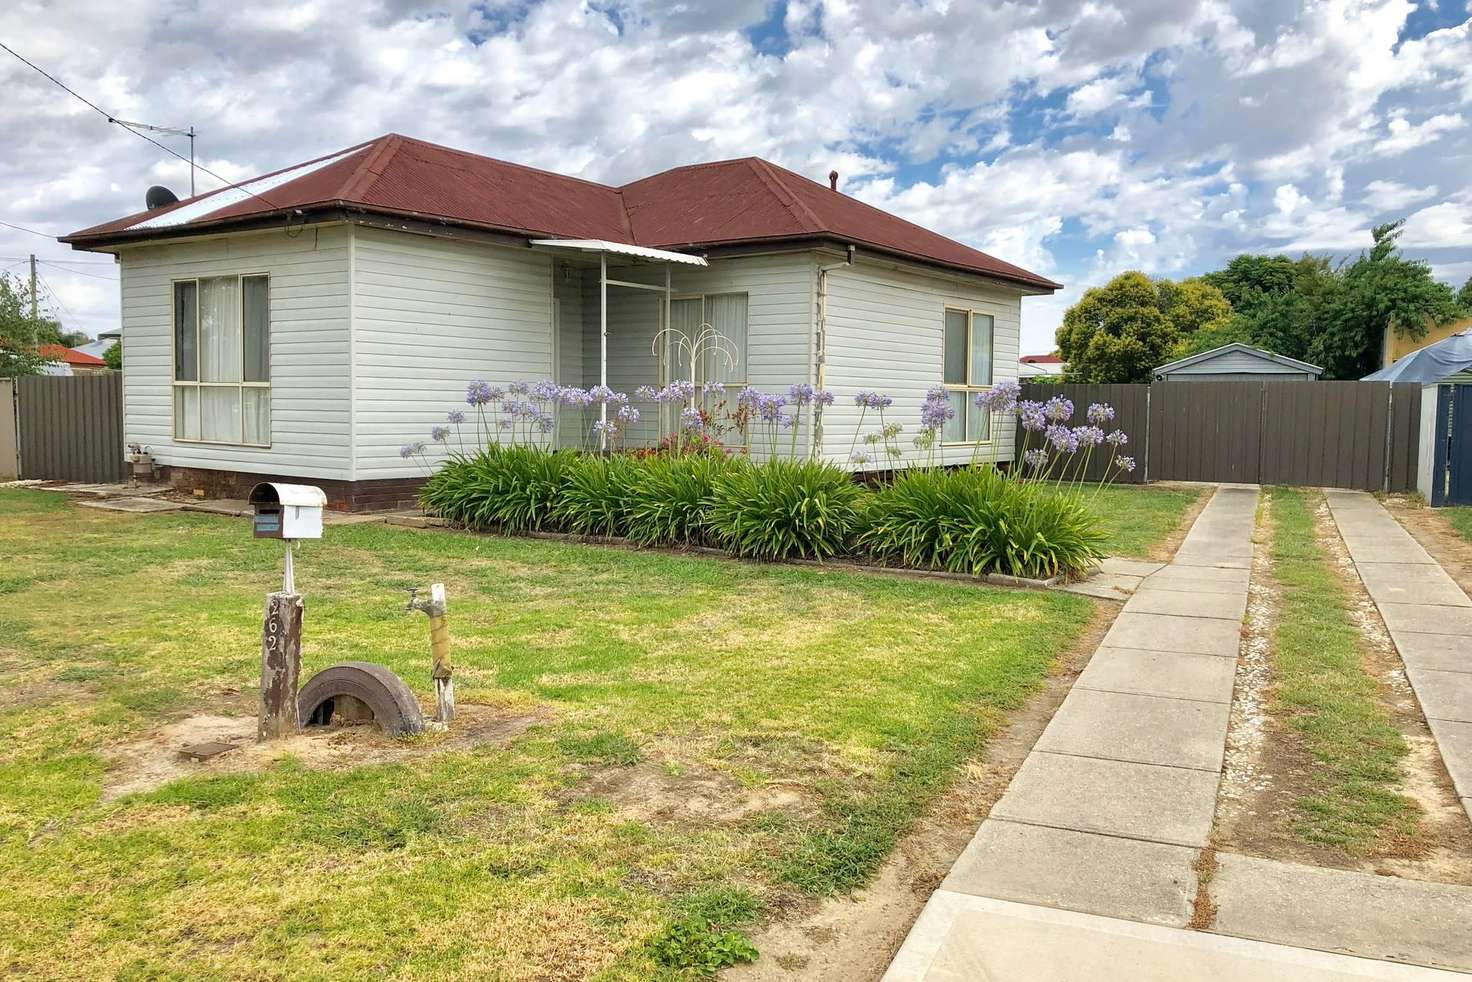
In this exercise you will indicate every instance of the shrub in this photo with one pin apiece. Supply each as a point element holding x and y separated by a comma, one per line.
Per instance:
<point>670,501</point>
<point>510,488</point>
<point>785,509</point>
<point>974,520</point>
<point>596,495</point>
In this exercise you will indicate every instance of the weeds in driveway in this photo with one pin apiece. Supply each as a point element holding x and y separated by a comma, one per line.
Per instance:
<point>1326,695</point>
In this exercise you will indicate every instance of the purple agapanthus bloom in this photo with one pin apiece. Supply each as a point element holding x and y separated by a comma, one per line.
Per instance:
<point>455,418</point>
<point>770,407</point>
<point>1035,458</point>
<point>823,397</point>
<point>690,419</point>
<point>546,422</point>
<point>801,393</point>
<point>618,399</point>
<point>1125,463</point>
<point>1000,398</point>
<point>1058,409</point>
<point>679,391</point>
<point>439,434</point>
<point>1088,436</point>
<point>519,388</point>
<point>935,413</point>
<point>1101,413</point>
<point>1117,438</point>
<point>545,390</point>
<point>411,449</point>
<point>628,414</point>
<point>600,393</point>
<point>477,393</point>
<point>604,427</point>
<point>749,397</point>
<point>713,387</point>
<point>785,422</point>
<point>936,393</point>
<point>1063,439</point>
<point>864,398</point>
<point>1030,414</point>
<point>645,393</point>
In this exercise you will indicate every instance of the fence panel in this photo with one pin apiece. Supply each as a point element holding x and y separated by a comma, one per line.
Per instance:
<point>1405,437</point>
<point>1131,408</point>
<point>71,428</point>
<point>1205,431</point>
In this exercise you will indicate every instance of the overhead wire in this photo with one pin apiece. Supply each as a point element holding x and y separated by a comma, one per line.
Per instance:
<point>78,272</point>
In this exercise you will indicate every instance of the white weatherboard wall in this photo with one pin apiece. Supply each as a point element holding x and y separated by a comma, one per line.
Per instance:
<point>884,333</point>
<point>429,316</point>
<point>309,348</point>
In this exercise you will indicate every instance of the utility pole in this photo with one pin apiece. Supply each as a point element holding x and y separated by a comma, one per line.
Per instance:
<point>34,312</point>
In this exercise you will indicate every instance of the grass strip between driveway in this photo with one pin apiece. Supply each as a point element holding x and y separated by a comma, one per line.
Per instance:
<point>1327,696</point>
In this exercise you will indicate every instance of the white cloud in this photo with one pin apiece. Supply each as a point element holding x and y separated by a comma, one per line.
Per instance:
<point>1444,226</point>
<point>1385,196</point>
<point>1404,135</point>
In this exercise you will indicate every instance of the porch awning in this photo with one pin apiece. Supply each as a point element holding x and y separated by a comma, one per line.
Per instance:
<point>620,249</point>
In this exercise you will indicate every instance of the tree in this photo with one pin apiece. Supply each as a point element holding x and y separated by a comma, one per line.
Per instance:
<point>1117,332</point>
<point>114,356</point>
<point>20,333</point>
<point>1194,305</point>
<point>1464,296</point>
<point>1380,290</point>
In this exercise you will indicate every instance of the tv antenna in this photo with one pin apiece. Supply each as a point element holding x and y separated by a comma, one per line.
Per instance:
<point>172,131</point>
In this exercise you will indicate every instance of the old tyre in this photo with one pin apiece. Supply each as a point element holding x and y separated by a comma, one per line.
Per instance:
<point>392,702</point>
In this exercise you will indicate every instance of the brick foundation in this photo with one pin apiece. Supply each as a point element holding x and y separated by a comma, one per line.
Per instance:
<point>380,495</point>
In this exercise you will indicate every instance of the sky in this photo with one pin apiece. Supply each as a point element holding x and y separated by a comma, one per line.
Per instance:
<point>1076,138</point>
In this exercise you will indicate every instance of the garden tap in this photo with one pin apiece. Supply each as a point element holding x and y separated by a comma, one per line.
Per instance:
<point>437,607</point>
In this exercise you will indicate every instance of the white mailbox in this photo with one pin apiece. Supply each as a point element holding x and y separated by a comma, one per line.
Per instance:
<point>288,511</point>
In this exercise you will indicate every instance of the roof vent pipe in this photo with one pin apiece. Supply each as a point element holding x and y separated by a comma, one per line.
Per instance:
<point>833,180</point>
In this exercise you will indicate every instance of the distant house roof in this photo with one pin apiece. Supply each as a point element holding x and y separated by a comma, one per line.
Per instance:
<point>1041,360</point>
<point>70,356</point>
<point>702,206</point>
<point>1237,347</point>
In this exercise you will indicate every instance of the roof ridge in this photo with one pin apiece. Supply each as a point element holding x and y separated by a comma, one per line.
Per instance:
<point>767,176</point>
<point>506,163</point>
<point>371,168</point>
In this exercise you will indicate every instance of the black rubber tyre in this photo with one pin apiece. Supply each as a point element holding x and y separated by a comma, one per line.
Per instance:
<point>394,707</point>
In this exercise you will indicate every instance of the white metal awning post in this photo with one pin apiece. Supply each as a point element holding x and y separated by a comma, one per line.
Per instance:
<point>603,348</point>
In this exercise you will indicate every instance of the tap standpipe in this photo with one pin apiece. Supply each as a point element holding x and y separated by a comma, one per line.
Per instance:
<point>439,648</point>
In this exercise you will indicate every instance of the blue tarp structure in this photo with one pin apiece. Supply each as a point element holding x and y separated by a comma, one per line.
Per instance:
<point>1431,364</point>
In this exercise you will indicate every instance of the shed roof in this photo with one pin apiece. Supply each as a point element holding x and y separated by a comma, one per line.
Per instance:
<point>702,206</point>
<point>60,352</point>
<point>1238,346</point>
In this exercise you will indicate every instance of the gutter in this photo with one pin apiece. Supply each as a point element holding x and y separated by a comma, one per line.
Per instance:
<point>820,336</point>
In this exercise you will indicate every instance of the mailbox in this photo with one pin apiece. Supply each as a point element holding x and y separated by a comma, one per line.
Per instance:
<point>287,511</point>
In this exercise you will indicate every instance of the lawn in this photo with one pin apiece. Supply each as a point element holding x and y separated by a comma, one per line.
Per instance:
<point>1138,519</point>
<point>826,709</point>
<point>1327,696</point>
<point>1461,519</point>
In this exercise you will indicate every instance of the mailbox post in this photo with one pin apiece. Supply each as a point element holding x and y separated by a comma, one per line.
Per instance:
<point>287,512</point>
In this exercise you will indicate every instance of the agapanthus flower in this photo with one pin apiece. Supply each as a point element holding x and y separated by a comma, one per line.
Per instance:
<point>1063,439</point>
<point>455,417</point>
<point>546,422</point>
<point>873,400</point>
<point>1035,458</point>
<point>618,399</point>
<point>749,397</point>
<point>861,458</point>
<point>477,393</point>
<point>1125,463</point>
<point>801,393</point>
<point>1117,438</point>
<point>519,388</point>
<point>690,419</point>
<point>645,393</point>
<point>936,412</point>
<point>412,449</point>
<point>545,390</point>
<point>1088,436</point>
<point>628,414</point>
<point>770,407</point>
<point>936,393</point>
<point>1030,414</point>
<point>1058,409</point>
<point>711,388</point>
<point>1000,398</point>
<point>604,427</point>
<point>439,434</point>
<point>823,397</point>
<point>600,393</point>
<point>1101,413</point>
<point>679,391</point>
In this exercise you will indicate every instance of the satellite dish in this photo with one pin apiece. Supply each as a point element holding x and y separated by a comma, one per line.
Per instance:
<point>158,196</point>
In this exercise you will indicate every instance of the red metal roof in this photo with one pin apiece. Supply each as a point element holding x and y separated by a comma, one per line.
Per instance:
<point>58,352</point>
<point>731,202</point>
<point>1041,360</point>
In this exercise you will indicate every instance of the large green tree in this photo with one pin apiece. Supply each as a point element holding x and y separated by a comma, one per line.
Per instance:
<point>20,333</point>
<point>1380,289</point>
<point>1117,332</point>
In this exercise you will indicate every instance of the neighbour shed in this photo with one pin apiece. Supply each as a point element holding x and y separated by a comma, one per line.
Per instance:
<point>1237,362</point>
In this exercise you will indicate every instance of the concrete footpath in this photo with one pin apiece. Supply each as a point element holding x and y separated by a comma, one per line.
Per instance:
<point>1086,867</point>
<point>1430,621</point>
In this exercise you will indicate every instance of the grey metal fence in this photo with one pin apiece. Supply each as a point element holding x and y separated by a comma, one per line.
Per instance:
<point>1362,435</point>
<point>70,428</point>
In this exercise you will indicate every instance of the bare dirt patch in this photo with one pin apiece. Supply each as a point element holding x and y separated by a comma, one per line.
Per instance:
<point>851,939</point>
<point>1267,768</point>
<point>155,760</point>
<point>650,792</point>
<point>1166,549</point>
<point>1436,535</point>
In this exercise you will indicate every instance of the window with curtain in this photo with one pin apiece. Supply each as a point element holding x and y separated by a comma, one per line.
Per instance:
<point>222,360</point>
<point>725,313</point>
<point>967,370</point>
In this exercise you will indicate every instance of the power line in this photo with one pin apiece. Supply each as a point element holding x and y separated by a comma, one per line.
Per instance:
<point>61,262</point>
<point>125,124</point>
<point>78,272</point>
<point>22,228</point>
<point>52,293</point>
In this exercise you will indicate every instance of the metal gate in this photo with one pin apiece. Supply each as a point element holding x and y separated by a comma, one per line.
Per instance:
<point>70,428</point>
<point>1451,468</point>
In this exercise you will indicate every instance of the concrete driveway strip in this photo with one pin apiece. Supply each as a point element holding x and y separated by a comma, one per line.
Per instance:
<point>1207,678</point>
<point>1171,632</point>
<point>1138,729</point>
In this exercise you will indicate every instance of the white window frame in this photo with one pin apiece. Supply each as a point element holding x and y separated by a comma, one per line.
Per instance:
<point>199,385</point>
<point>665,376</point>
<point>971,391</point>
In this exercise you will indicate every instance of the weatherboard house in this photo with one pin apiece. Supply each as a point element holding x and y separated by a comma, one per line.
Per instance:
<point>306,324</point>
